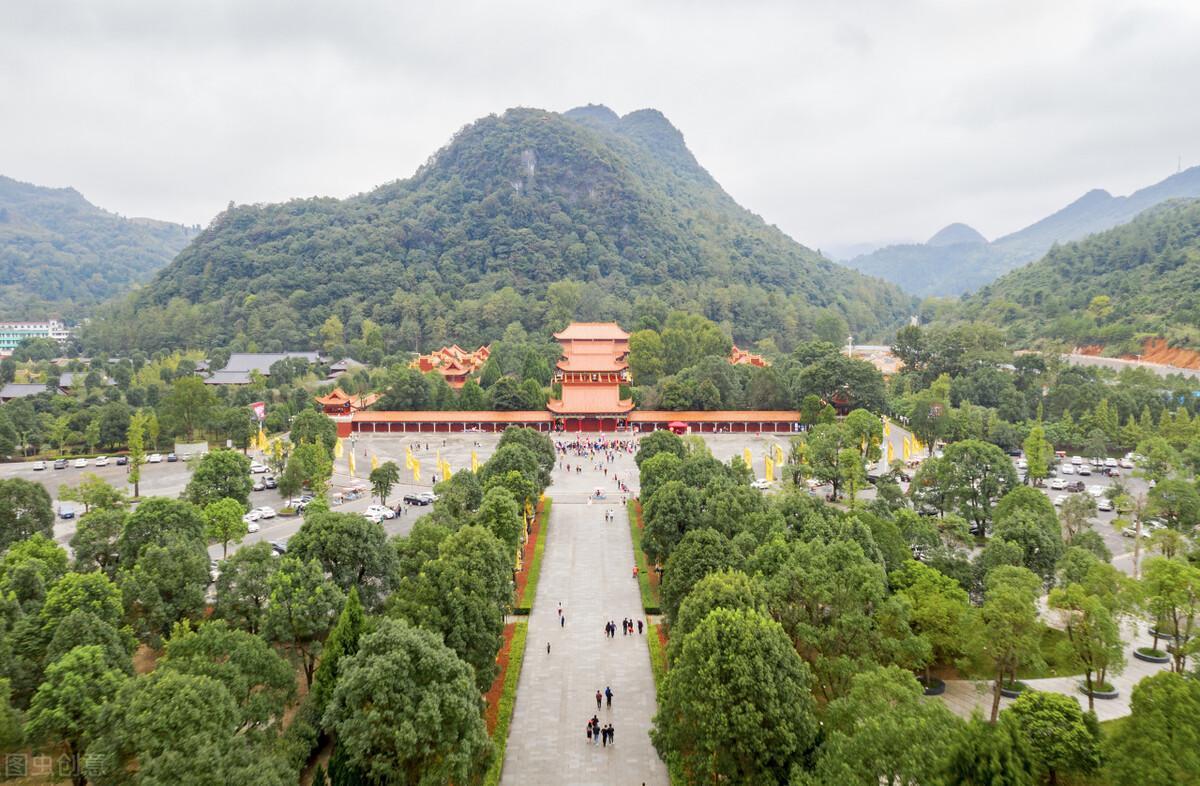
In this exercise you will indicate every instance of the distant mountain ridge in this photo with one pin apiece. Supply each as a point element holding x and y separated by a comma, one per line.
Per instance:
<point>60,255</point>
<point>950,269</point>
<point>522,220</point>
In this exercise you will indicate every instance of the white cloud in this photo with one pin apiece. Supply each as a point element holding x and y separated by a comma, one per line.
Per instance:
<point>840,122</point>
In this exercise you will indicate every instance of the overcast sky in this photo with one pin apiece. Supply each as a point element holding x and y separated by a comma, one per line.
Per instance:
<point>844,121</point>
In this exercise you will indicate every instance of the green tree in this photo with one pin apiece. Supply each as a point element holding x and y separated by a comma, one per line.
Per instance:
<point>929,417</point>
<point>351,549</point>
<point>1171,593</point>
<point>940,611</point>
<point>94,494</point>
<point>29,567</point>
<point>188,404</point>
<point>990,754</point>
<point>659,441</point>
<point>1093,634</point>
<point>880,732</point>
<point>381,709</point>
<point>302,608</point>
<point>978,475</point>
<point>499,514</point>
<point>1075,516</point>
<point>223,523</point>
<point>94,593</point>
<point>1011,629</point>
<point>135,438</point>
<point>11,733</point>
<point>244,586</point>
<point>383,478</point>
<point>25,510</point>
<point>167,584</point>
<point>260,682</point>
<point>221,474</point>
<point>737,704</point>
<point>83,629</point>
<point>67,707</point>
<point>726,589</point>
<point>312,427</point>
<point>699,553</point>
<point>646,357</point>
<point>1159,743</point>
<point>311,466</point>
<point>155,521</point>
<point>667,516</point>
<point>1038,454</point>
<point>342,643</point>
<point>1061,739</point>
<point>1177,502</point>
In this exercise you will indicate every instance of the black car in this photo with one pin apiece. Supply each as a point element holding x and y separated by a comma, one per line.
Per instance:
<point>122,461</point>
<point>279,547</point>
<point>270,482</point>
<point>60,463</point>
<point>417,499</point>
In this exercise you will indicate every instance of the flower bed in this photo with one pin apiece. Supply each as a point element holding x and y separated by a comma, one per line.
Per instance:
<point>503,694</point>
<point>1151,655</point>
<point>1104,691</point>
<point>527,579</point>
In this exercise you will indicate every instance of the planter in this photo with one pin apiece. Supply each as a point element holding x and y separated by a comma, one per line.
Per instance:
<point>1100,691</point>
<point>935,687</point>
<point>1012,690</point>
<point>1151,655</point>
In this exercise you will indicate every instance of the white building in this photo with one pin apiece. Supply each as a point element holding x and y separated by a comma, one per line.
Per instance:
<point>13,333</point>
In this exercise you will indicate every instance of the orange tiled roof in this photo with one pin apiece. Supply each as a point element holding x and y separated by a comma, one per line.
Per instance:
<point>720,416</point>
<point>592,331</point>
<point>740,357</point>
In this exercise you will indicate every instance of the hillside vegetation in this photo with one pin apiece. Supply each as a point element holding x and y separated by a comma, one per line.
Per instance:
<point>529,217</point>
<point>952,263</point>
<point>1117,288</point>
<point>60,253</point>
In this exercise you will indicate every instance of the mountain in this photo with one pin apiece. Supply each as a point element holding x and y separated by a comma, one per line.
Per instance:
<point>1117,288</point>
<point>60,254</point>
<point>956,234</point>
<point>952,268</point>
<point>529,217</point>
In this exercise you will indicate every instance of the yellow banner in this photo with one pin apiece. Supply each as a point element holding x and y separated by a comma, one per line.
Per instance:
<point>374,462</point>
<point>338,450</point>
<point>474,461</point>
<point>778,455</point>
<point>408,458</point>
<point>768,468</point>
<point>351,461</point>
<point>746,457</point>
<point>416,469</point>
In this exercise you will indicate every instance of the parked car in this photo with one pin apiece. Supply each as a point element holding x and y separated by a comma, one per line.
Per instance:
<point>1075,486</point>
<point>422,498</point>
<point>251,526</point>
<point>381,511</point>
<point>1110,462</point>
<point>80,463</point>
<point>763,483</point>
<point>253,515</point>
<point>172,457</point>
<point>1125,463</point>
<point>66,513</point>
<point>1131,532</point>
<point>1084,469</point>
<point>270,482</point>
<point>258,469</point>
<point>60,463</point>
<point>1060,499</point>
<point>279,547</point>
<point>214,570</point>
<point>1112,472</point>
<point>1096,490</point>
<point>258,485</point>
<point>1104,503</point>
<point>155,458</point>
<point>122,461</point>
<point>266,512</point>
<point>1068,469</point>
<point>1077,460</point>
<point>1058,484</point>
<point>38,466</point>
<point>101,461</point>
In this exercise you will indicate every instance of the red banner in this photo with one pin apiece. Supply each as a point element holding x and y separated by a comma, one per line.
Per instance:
<point>260,409</point>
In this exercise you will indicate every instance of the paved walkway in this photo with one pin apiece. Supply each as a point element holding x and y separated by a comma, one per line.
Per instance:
<point>587,568</point>
<point>964,696</point>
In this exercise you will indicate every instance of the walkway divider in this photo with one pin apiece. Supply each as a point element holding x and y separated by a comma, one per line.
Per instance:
<point>528,592</point>
<point>508,699</point>
<point>651,600</point>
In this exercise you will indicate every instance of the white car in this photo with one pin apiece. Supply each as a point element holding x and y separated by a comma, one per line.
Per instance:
<point>1125,463</point>
<point>1110,462</point>
<point>38,466</point>
<point>1131,532</point>
<point>1067,469</point>
<point>266,512</point>
<point>761,483</point>
<point>381,511</point>
<point>1059,500</point>
<point>80,463</point>
<point>1084,469</point>
<point>1058,484</point>
<point>253,515</point>
<point>1104,503</point>
<point>258,469</point>
<point>1096,491</point>
<point>258,485</point>
<point>1077,460</point>
<point>155,458</point>
<point>1022,464</point>
<point>101,461</point>
<point>251,526</point>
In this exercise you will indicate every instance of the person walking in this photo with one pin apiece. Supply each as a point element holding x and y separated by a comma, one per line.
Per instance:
<point>639,627</point>
<point>608,694</point>
<point>612,735</point>
<point>598,695</point>
<point>589,732</point>
<point>562,620</point>
<point>604,737</point>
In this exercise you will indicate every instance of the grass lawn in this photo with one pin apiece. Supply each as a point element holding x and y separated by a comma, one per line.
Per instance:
<point>508,697</point>
<point>1060,660</point>
<point>529,590</point>
<point>651,600</point>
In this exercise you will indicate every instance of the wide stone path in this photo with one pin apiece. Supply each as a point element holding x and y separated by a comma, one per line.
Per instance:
<point>587,567</point>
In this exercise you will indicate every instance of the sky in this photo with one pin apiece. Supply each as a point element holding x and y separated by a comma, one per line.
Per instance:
<point>840,121</point>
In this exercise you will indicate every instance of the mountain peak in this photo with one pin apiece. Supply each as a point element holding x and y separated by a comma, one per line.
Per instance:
<point>956,234</point>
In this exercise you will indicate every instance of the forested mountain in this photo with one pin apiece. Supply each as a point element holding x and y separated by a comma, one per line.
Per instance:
<point>60,253</point>
<point>959,263</point>
<point>530,217</point>
<point>1116,288</point>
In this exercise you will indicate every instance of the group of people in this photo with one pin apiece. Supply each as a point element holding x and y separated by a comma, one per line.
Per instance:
<point>600,735</point>
<point>610,629</point>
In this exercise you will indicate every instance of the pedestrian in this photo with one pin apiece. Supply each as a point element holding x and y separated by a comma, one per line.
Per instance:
<point>560,608</point>
<point>608,694</point>
<point>639,627</point>
<point>598,694</point>
<point>611,735</point>
<point>589,732</point>
<point>562,620</point>
<point>547,648</point>
<point>604,737</point>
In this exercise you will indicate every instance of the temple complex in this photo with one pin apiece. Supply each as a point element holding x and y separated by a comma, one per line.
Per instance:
<point>741,357</point>
<point>454,363</point>
<point>590,373</point>
<point>338,402</point>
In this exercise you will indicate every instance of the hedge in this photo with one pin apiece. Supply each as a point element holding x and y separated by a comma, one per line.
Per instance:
<point>508,697</point>
<point>525,602</point>
<point>651,602</point>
